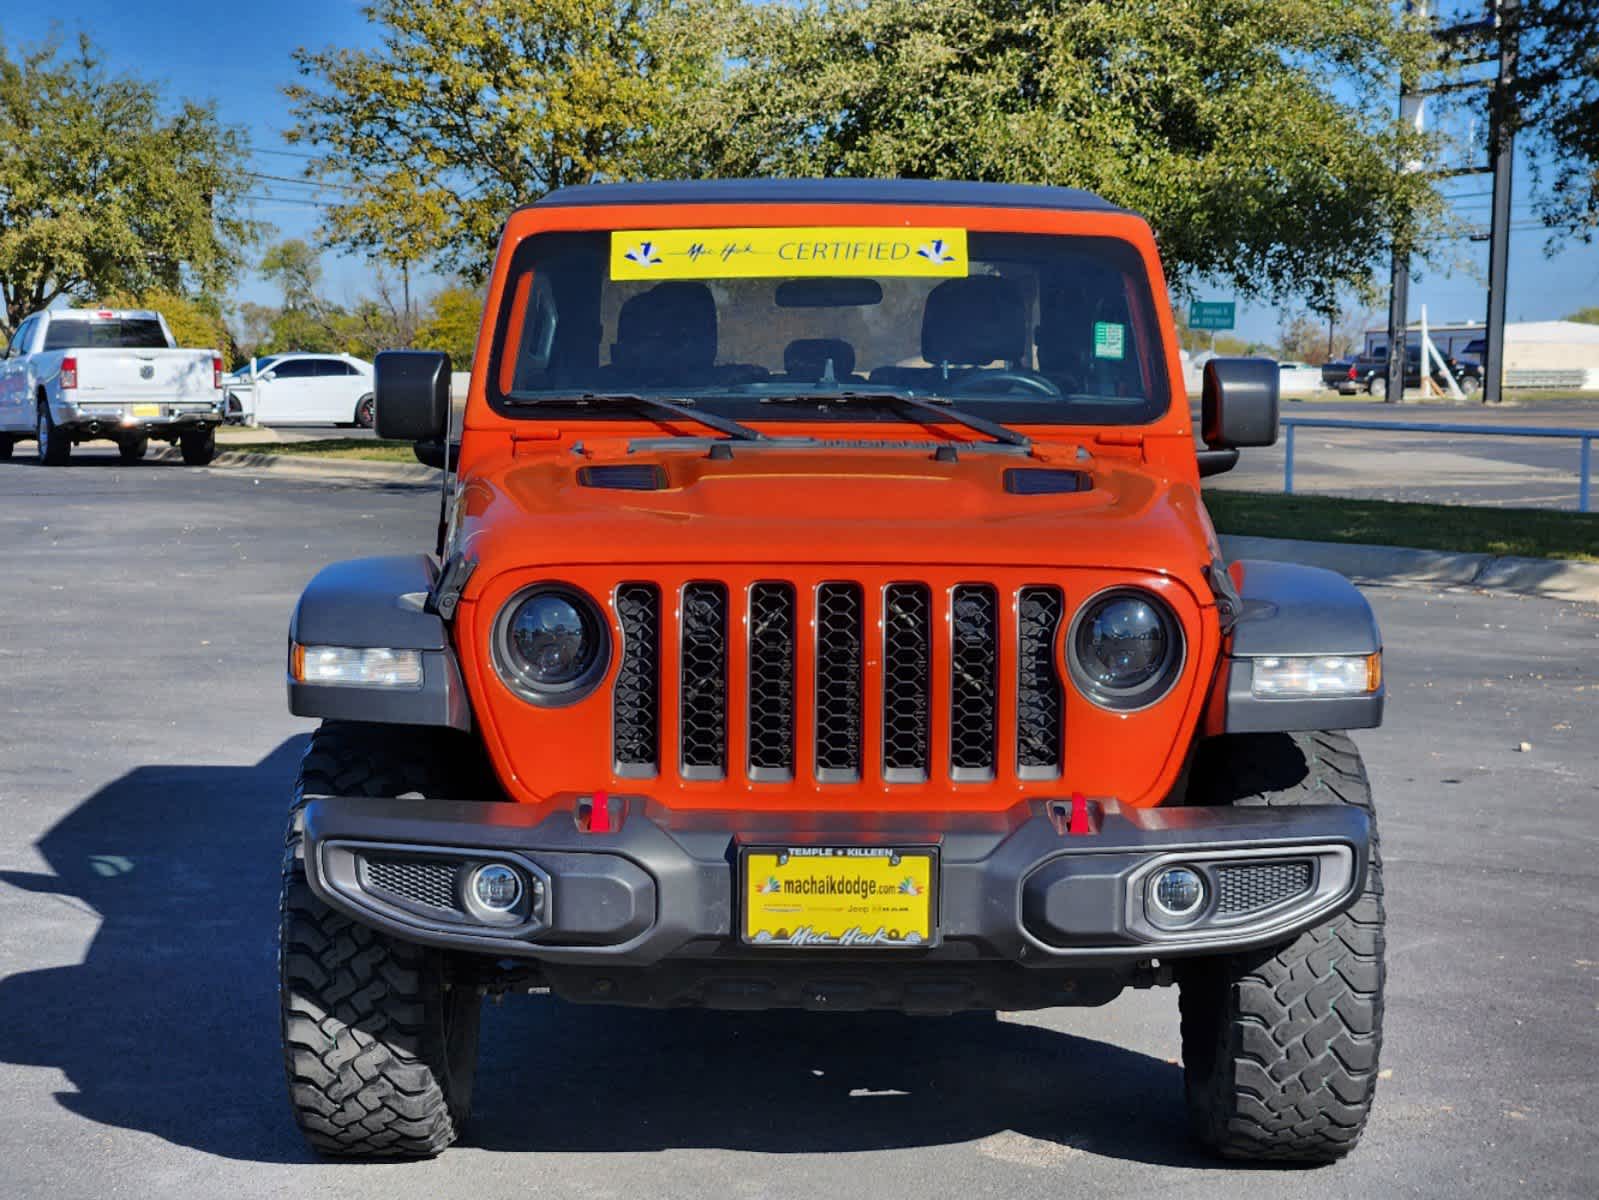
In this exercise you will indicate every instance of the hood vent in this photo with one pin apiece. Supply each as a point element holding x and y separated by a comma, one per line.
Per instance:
<point>1045,481</point>
<point>623,478</point>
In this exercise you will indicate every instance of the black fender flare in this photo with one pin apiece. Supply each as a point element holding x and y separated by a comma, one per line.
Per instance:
<point>379,602</point>
<point>1288,609</point>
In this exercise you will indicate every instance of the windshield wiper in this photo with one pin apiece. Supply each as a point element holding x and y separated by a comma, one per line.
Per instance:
<point>941,409</point>
<point>677,408</point>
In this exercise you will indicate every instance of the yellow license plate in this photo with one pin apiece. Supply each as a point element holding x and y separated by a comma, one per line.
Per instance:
<point>147,410</point>
<point>840,897</point>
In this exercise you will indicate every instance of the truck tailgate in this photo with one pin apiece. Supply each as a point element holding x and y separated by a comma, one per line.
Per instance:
<point>156,375</point>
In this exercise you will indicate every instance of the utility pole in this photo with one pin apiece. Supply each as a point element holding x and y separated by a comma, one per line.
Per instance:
<point>1501,149</point>
<point>1412,114</point>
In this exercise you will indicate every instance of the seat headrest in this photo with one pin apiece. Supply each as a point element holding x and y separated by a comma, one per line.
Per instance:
<point>806,358</point>
<point>672,325</point>
<point>974,321</point>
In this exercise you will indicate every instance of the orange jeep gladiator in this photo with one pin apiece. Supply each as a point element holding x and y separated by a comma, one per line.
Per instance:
<point>825,614</point>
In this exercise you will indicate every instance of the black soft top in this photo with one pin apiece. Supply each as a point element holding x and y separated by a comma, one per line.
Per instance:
<point>829,191</point>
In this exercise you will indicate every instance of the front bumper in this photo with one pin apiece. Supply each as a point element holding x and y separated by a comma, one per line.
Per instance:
<point>662,886</point>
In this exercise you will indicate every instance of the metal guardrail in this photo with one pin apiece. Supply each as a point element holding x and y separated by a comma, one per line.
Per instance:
<point>1584,436</point>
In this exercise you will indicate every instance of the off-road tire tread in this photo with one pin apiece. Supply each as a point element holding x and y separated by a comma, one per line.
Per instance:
<point>1281,1044</point>
<point>363,1042</point>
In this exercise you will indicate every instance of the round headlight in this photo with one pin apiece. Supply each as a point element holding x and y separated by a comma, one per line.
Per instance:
<point>1125,649</point>
<point>552,644</point>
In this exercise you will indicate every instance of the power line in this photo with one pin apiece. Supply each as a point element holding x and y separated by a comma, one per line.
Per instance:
<point>288,200</point>
<point>310,183</point>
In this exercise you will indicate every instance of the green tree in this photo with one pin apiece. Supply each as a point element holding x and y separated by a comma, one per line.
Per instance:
<point>452,325</point>
<point>1217,119</point>
<point>470,108</point>
<point>1554,108</point>
<point>1588,316</point>
<point>106,188</point>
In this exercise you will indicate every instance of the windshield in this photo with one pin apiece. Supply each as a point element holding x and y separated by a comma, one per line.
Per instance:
<point>104,333</point>
<point>1026,328</point>
<point>261,364</point>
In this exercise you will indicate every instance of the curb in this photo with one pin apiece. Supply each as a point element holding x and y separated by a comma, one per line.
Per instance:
<point>1552,579</point>
<point>302,466</point>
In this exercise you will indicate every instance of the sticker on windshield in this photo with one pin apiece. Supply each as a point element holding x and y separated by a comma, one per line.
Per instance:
<point>787,252</point>
<point>1110,340</point>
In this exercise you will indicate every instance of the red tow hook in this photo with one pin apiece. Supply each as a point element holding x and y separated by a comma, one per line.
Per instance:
<point>1080,822</point>
<point>1077,818</point>
<point>594,813</point>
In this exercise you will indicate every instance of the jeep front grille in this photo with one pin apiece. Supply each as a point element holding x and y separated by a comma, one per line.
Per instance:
<point>702,707</point>
<point>899,681</point>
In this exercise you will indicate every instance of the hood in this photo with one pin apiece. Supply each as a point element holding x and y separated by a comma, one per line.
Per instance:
<point>833,505</point>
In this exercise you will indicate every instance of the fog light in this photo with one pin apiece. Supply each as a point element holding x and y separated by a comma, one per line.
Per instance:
<point>1177,893</point>
<point>497,887</point>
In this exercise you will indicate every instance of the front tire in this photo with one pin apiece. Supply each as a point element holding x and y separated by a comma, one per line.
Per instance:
<point>1280,1044</point>
<point>379,1036</point>
<point>198,447</point>
<point>365,412</point>
<point>7,445</point>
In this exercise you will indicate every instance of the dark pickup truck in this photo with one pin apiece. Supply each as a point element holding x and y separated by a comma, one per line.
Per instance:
<point>1369,373</point>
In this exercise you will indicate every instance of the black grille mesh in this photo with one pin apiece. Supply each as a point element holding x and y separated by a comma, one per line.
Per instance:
<point>1244,887</point>
<point>704,696</point>
<point>839,646</point>
<point>975,683</point>
<point>637,698</point>
<point>1038,694</point>
<point>771,690</point>
<point>907,677</point>
<point>417,880</point>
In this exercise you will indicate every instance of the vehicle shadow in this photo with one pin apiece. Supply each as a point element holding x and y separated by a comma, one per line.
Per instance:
<point>169,1024</point>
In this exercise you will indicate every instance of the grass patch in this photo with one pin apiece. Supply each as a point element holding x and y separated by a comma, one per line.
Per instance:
<point>1529,532</point>
<point>365,449</point>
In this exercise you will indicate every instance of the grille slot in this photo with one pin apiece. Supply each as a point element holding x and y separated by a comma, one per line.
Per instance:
<point>637,701</point>
<point>771,688</point>
<point>1039,701</point>
<point>703,700</point>
<point>419,881</point>
<point>907,681</point>
<point>839,660</point>
<point>1246,887</point>
<point>975,682</point>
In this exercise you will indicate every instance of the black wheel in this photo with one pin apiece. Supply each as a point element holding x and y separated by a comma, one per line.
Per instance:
<point>198,446</point>
<point>379,1042</point>
<point>1377,388</point>
<point>7,445</point>
<point>1280,1045</point>
<point>365,412</point>
<point>55,447</point>
<point>131,450</point>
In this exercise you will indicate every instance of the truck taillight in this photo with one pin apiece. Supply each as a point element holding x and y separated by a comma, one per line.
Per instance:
<point>69,372</point>
<point>216,370</point>
<point>1352,374</point>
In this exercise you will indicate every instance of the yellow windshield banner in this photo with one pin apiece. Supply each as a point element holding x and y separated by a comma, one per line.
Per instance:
<point>830,250</point>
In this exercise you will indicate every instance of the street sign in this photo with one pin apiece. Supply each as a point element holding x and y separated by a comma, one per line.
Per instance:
<point>1211,314</point>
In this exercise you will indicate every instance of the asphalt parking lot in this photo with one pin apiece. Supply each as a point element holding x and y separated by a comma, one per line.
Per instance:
<point>143,782</point>
<point>1435,468</point>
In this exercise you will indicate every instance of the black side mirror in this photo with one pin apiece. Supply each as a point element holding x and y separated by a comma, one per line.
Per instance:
<point>411,391</point>
<point>431,453</point>
<point>1240,401</point>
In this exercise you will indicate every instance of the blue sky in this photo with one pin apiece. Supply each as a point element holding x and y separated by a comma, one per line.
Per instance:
<point>239,55</point>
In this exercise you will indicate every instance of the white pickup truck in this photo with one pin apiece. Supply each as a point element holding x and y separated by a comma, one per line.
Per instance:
<point>72,375</point>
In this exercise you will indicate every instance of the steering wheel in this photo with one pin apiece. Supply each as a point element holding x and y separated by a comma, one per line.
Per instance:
<point>1025,380</point>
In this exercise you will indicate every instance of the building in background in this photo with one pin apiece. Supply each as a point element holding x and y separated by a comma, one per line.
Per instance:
<point>1541,354</point>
